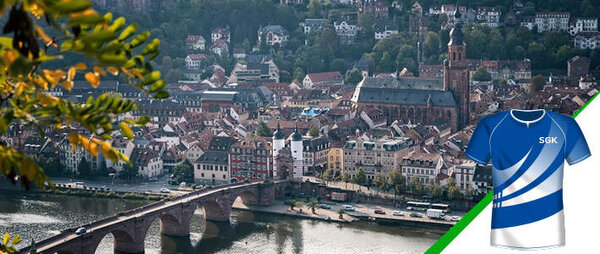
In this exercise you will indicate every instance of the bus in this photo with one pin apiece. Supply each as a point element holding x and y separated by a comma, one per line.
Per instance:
<point>443,207</point>
<point>417,206</point>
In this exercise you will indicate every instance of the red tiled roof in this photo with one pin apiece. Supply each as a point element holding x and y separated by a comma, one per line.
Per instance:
<point>325,76</point>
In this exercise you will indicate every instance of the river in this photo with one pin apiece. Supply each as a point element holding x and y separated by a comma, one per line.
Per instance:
<point>37,216</point>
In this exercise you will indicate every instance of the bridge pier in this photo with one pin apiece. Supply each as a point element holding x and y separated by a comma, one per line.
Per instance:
<point>177,221</point>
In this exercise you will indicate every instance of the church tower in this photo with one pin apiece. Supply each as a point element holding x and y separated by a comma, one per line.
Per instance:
<point>456,73</point>
<point>296,147</point>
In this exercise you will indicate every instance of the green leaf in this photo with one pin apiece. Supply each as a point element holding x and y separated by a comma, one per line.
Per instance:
<point>126,130</point>
<point>158,85</point>
<point>112,59</point>
<point>151,78</point>
<point>68,6</point>
<point>139,39</point>
<point>128,32</point>
<point>161,95</point>
<point>100,36</point>
<point>16,240</point>
<point>20,67</point>
<point>87,19</point>
<point>151,47</point>
<point>143,120</point>
<point>117,25</point>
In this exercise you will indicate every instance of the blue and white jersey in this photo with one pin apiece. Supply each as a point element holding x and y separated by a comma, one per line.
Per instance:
<point>527,149</point>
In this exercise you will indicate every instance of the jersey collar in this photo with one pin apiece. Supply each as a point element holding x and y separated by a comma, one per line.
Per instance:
<point>524,122</point>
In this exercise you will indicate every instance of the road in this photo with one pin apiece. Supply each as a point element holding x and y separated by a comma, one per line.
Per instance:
<point>368,210</point>
<point>142,187</point>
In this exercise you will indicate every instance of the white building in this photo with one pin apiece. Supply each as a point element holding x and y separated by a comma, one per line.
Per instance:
<point>195,42</point>
<point>383,31</point>
<point>220,34</point>
<point>489,16</point>
<point>194,61</point>
<point>463,174</point>
<point>147,161</point>
<point>310,25</point>
<point>123,146</point>
<point>583,25</point>
<point>273,34</point>
<point>547,21</point>
<point>346,31</point>
<point>278,144</point>
<point>587,40</point>
<point>425,166</point>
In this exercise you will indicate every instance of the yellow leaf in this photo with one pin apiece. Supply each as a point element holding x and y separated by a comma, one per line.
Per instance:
<point>80,66</point>
<point>46,100</point>
<point>93,149</point>
<point>49,75</point>
<point>71,73</point>
<point>99,70</point>
<point>74,138</point>
<point>93,79</point>
<point>67,84</point>
<point>40,31</point>
<point>113,70</point>
<point>126,130</point>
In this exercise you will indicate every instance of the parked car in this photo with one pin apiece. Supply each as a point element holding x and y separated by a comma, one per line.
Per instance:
<point>379,211</point>
<point>81,231</point>
<point>416,215</point>
<point>454,218</point>
<point>165,190</point>
<point>348,207</point>
<point>398,213</point>
<point>324,206</point>
<point>152,179</point>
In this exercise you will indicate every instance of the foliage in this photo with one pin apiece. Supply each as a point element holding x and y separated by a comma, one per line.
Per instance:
<point>353,76</point>
<point>453,190</point>
<point>314,132</point>
<point>537,83</point>
<point>73,28</point>
<point>263,130</point>
<point>313,204</point>
<point>482,75</point>
<point>184,172</point>
<point>341,213</point>
<point>360,178</point>
<point>379,181</point>
<point>84,170</point>
<point>129,172</point>
<point>8,245</point>
<point>416,186</point>
<point>291,203</point>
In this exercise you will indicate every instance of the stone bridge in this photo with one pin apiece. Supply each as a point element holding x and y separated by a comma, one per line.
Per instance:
<point>129,228</point>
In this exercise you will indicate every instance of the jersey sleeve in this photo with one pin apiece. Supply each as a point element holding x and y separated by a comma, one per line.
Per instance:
<point>576,149</point>
<point>478,149</point>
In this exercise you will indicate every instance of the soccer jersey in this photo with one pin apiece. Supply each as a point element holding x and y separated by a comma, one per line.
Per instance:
<point>527,149</point>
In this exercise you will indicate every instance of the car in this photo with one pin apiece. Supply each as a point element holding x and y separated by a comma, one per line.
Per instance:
<point>398,213</point>
<point>454,218</point>
<point>165,190</point>
<point>152,179</point>
<point>324,206</point>
<point>183,184</point>
<point>416,215</point>
<point>81,231</point>
<point>348,207</point>
<point>379,211</point>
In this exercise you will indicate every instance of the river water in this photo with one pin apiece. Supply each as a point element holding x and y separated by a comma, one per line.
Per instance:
<point>37,216</point>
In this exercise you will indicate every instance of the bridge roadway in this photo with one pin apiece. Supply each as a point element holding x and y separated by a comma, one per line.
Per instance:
<point>129,227</point>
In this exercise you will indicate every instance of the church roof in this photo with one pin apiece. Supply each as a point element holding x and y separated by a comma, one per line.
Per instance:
<point>403,83</point>
<point>406,97</point>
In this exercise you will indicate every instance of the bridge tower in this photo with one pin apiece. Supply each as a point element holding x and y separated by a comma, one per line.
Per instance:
<point>278,144</point>
<point>297,146</point>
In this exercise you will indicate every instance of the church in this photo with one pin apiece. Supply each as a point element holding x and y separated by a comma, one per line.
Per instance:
<point>420,100</point>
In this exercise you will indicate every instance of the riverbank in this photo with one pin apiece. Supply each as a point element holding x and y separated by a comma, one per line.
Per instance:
<point>359,214</point>
<point>282,209</point>
<point>87,192</point>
